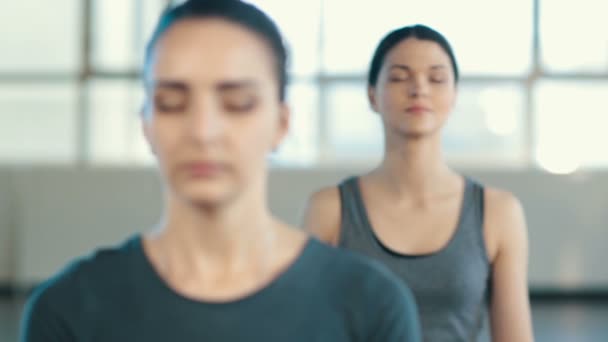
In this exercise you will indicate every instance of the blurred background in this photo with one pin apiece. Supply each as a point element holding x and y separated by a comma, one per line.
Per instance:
<point>532,117</point>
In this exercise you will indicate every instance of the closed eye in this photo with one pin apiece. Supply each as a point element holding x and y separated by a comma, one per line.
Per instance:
<point>170,100</point>
<point>239,101</point>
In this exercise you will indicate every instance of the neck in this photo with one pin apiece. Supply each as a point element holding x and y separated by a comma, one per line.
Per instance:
<point>219,237</point>
<point>415,166</point>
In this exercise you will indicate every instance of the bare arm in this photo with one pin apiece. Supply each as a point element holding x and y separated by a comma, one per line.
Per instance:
<point>510,305</point>
<point>322,215</point>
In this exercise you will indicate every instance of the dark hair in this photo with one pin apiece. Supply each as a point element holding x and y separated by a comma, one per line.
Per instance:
<point>395,37</point>
<point>235,11</point>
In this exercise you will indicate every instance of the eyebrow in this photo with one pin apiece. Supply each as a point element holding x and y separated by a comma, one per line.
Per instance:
<point>407,68</point>
<point>220,86</point>
<point>236,85</point>
<point>169,84</point>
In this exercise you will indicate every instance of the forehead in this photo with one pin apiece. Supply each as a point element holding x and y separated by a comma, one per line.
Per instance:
<point>415,52</point>
<point>211,49</point>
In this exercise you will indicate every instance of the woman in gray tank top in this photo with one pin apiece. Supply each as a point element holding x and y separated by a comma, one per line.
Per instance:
<point>461,247</point>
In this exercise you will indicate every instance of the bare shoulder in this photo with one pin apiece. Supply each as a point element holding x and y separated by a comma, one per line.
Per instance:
<point>505,223</point>
<point>502,204</point>
<point>321,215</point>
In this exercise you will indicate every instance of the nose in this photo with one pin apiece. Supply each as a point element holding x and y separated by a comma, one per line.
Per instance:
<point>418,87</point>
<point>205,123</point>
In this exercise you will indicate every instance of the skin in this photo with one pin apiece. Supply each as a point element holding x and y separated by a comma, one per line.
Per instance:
<point>414,97</point>
<point>212,118</point>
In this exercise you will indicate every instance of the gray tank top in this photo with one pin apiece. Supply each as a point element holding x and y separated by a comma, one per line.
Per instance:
<point>451,285</point>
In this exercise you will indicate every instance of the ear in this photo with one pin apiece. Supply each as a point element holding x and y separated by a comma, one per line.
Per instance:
<point>371,96</point>
<point>283,124</point>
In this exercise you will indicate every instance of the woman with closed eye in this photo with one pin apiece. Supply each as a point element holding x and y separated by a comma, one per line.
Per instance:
<point>460,246</point>
<point>220,266</point>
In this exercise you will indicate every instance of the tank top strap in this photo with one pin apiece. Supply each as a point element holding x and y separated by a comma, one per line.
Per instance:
<point>471,225</point>
<point>354,225</point>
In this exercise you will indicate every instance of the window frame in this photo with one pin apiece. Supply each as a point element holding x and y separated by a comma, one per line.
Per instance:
<point>323,80</point>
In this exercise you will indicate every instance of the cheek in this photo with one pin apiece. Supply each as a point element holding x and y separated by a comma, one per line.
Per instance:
<point>163,140</point>
<point>391,99</point>
<point>445,102</point>
<point>254,137</point>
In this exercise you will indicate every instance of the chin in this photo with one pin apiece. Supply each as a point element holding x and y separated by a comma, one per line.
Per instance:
<point>207,200</point>
<point>418,132</point>
<point>418,127</point>
<point>205,195</point>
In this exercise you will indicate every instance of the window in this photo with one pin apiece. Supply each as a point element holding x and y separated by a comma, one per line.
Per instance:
<point>571,121</point>
<point>40,36</point>
<point>355,131</point>
<point>115,129</point>
<point>349,40</point>
<point>519,103</point>
<point>574,36</point>
<point>120,31</point>
<point>300,24</point>
<point>38,122</point>
<point>487,124</point>
<point>300,145</point>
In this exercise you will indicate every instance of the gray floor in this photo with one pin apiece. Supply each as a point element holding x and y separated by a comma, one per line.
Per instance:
<point>571,321</point>
<point>554,321</point>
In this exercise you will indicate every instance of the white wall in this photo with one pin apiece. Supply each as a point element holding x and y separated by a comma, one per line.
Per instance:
<point>7,225</point>
<point>67,212</point>
<point>63,213</point>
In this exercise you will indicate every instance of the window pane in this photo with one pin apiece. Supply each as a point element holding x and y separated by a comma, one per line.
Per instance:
<point>352,32</point>
<point>574,35</point>
<point>486,126</point>
<point>31,29</point>
<point>116,135</point>
<point>148,16</point>
<point>299,23</point>
<point>121,30</point>
<point>37,123</point>
<point>113,34</point>
<point>571,125</point>
<point>300,148</point>
<point>355,131</point>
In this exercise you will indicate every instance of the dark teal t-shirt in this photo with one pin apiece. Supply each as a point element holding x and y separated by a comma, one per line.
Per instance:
<point>325,295</point>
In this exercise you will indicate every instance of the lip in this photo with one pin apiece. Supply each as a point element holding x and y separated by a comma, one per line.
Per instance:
<point>417,109</point>
<point>204,168</point>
